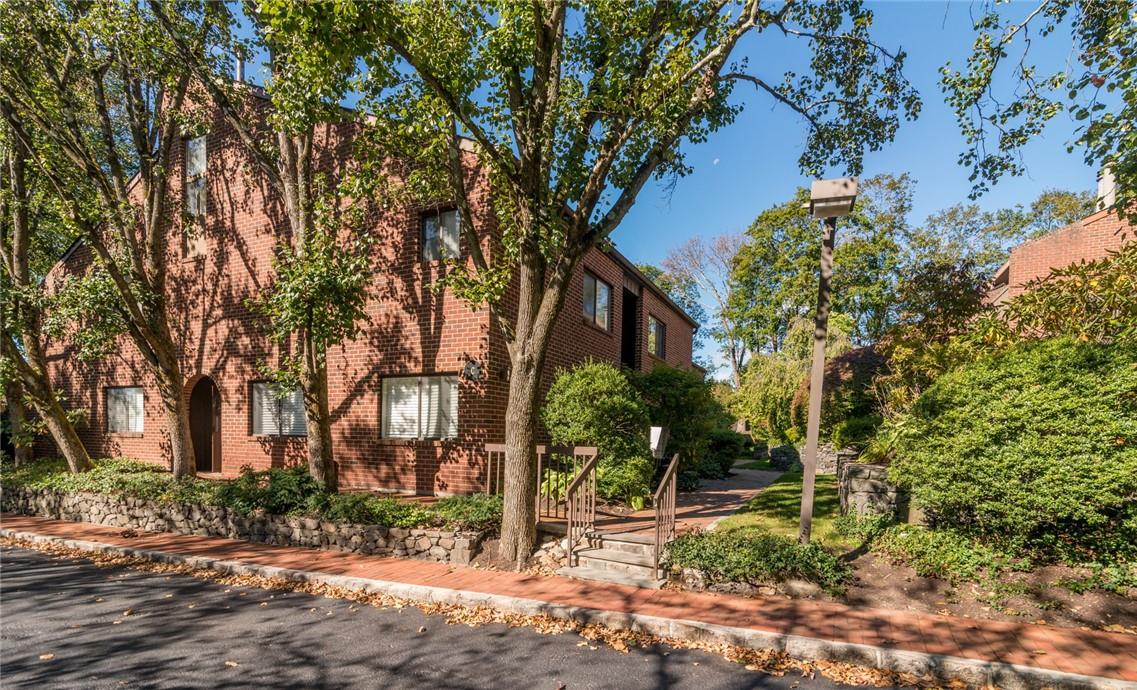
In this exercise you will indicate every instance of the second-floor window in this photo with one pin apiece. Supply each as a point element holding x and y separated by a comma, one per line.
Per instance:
<point>656,336</point>
<point>440,235</point>
<point>125,412</point>
<point>597,301</point>
<point>195,177</point>
<point>278,415</point>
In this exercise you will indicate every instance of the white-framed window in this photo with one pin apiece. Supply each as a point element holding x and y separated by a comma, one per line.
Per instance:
<point>597,301</point>
<point>195,177</point>
<point>275,415</point>
<point>420,407</point>
<point>656,336</point>
<point>440,235</point>
<point>125,409</point>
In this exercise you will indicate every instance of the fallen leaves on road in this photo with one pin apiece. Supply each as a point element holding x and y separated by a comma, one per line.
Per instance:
<point>231,664</point>
<point>46,657</point>
<point>766,661</point>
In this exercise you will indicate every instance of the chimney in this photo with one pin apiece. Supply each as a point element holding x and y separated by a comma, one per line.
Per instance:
<point>239,69</point>
<point>1107,188</point>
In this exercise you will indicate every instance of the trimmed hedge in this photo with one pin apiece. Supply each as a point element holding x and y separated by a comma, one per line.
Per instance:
<point>290,491</point>
<point>757,557</point>
<point>1033,450</point>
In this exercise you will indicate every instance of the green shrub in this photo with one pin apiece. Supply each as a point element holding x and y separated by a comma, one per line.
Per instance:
<point>281,491</point>
<point>863,529</point>
<point>849,411</point>
<point>757,557</point>
<point>277,491</point>
<point>368,509</point>
<point>594,404</point>
<point>941,553</point>
<point>479,512</point>
<point>724,446</point>
<point>1032,450</point>
<point>684,402</point>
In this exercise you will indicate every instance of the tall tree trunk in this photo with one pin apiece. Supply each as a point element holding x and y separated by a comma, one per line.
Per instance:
<point>539,304</point>
<point>168,373</point>
<point>519,516</point>
<point>33,376</point>
<point>17,419</point>
<point>317,413</point>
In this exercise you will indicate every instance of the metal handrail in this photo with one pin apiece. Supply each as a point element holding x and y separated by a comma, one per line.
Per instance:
<point>581,505</point>
<point>664,504</point>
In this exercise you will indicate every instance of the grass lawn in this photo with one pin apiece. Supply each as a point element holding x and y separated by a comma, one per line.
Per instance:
<point>778,508</point>
<point>750,464</point>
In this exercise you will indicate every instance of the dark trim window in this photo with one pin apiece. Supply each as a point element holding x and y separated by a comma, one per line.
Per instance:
<point>656,337</point>
<point>424,407</point>
<point>125,409</point>
<point>195,177</point>
<point>440,231</point>
<point>277,415</point>
<point>597,301</point>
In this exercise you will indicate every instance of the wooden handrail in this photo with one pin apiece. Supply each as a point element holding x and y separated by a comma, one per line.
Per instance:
<point>672,468</point>
<point>584,471</point>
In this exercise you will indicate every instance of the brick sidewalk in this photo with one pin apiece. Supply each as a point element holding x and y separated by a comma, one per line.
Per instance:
<point>1090,653</point>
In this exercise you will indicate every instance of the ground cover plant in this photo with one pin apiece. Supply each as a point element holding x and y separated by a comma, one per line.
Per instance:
<point>777,509</point>
<point>282,491</point>
<point>757,557</point>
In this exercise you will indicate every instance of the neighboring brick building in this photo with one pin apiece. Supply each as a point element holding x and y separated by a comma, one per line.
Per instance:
<point>426,365</point>
<point>1091,238</point>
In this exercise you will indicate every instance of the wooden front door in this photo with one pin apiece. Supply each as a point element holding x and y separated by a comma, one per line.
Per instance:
<point>205,425</point>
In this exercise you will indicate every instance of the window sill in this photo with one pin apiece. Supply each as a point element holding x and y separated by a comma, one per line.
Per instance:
<point>125,434</point>
<point>658,358</point>
<point>593,325</point>
<point>277,437</point>
<point>416,442</point>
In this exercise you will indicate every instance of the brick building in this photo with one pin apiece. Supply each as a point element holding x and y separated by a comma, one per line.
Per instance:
<point>413,399</point>
<point>1091,238</point>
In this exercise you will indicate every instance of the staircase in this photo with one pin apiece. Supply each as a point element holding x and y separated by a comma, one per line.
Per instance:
<point>626,558</point>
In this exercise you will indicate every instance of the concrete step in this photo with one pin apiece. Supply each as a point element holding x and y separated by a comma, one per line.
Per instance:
<point>623,561</point>
<point>647,538</point>
<point>614,576</point>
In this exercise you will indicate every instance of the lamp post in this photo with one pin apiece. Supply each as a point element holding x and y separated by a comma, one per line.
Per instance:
<point>828,200</point>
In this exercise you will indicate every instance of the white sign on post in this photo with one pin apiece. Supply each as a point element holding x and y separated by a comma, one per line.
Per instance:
<point>659,436</point>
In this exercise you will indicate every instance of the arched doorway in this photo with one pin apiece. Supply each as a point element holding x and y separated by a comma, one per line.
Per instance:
<point>205,425</point>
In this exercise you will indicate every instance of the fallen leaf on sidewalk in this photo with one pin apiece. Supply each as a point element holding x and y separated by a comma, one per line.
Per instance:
<point>46,657</point>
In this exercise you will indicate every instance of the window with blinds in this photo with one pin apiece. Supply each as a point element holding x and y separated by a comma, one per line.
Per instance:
<point>423,407</point>
<point>440,236</point>
<point>275,415</point>
<point>125,412</point>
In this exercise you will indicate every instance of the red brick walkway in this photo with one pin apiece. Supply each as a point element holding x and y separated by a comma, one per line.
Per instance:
<point>1092,653</point>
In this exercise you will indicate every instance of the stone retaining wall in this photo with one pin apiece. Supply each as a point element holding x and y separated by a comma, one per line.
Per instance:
<point>865,489</point>
<point>444,546</point>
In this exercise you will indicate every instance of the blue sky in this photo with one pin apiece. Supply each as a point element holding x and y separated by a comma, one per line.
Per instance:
<point>752,164</point>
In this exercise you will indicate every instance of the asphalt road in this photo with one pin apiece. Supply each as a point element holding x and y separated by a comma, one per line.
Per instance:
<point>183,632</point>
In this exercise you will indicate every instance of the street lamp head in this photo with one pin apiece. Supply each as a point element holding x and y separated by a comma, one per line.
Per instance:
<point>832,198</point>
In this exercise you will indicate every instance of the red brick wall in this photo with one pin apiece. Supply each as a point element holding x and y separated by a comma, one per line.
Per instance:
<point>1089,239</point>
<point>411,330</point>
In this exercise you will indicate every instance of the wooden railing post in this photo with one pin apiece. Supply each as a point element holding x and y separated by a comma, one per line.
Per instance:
<point>664,503</point>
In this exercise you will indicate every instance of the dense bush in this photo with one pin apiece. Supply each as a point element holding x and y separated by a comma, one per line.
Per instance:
<point>595,404</point>
<point>279,491</point>
<point>1033,449</point>
<point>757,557</point>
<point>724,446</point>
<point>684,402</point>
